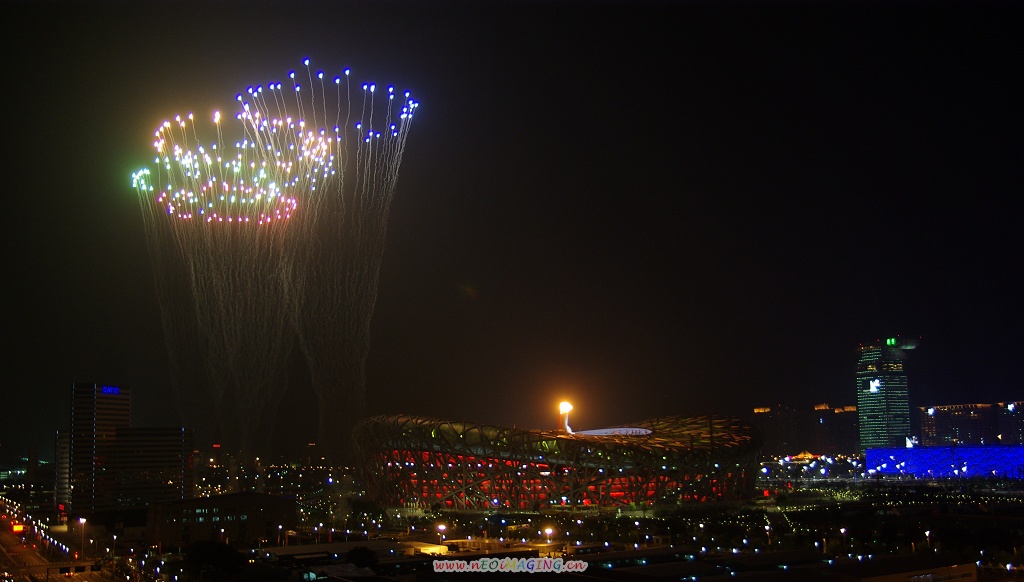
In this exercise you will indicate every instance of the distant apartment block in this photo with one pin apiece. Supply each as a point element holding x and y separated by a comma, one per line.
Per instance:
<point>999,423</point>
<point>820,429</point>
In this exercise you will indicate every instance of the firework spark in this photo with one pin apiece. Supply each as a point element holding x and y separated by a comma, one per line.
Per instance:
<point>279,236</point>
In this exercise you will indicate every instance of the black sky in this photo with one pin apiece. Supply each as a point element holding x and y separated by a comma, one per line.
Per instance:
<point>650,208</point>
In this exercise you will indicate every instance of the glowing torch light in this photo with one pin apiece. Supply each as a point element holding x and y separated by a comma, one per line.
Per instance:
<point>564,408</point>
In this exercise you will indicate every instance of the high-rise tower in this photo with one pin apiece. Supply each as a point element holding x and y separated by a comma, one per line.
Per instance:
<point>106,464</point>
<point>883,403</point>
<point>97,411</point>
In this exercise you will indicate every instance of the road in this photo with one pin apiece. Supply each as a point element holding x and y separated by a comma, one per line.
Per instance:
<point>23,561</point>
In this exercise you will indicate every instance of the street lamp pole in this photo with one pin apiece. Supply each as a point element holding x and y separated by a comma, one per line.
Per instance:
<point>81,520</point>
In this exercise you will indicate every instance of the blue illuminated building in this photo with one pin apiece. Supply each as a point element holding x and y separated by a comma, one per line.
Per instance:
<point>947,462</point>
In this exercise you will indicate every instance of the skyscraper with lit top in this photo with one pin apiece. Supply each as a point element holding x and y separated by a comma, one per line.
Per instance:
<point>97,411</point>
<point>105,464</point>
<point>883,402</point>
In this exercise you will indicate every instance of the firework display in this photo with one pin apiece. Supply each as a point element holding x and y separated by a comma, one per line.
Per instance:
<point>273,234</point>
<point>412,461</point>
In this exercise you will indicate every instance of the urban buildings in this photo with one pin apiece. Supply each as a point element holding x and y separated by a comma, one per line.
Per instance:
<point>105,464</point>
<point>147,465</point>
<point>821,429</point>
<point>996,423</point>
<point>882,418</point>
<point>243,519</point>
<point>779,427</point>
<point>835,429</point>
<point>97,411</point>
<point>883,404</point>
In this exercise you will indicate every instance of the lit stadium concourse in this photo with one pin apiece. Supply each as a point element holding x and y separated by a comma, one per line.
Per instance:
<point>432,464</point>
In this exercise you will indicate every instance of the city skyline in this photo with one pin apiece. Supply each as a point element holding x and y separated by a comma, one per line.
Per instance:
<point>644,209</point>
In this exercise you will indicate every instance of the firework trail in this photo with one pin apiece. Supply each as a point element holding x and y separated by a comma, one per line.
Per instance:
<point>280,236</point>
<point>224,217</point>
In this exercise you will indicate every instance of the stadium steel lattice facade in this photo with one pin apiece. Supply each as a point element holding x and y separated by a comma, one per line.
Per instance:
<point>413,461</point>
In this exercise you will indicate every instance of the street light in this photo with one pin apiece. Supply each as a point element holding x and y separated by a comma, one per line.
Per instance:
<point>440,532</point>
<point>548,531</point>
<point>81,520</point>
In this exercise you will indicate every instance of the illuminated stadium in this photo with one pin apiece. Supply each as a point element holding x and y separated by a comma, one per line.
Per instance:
<point>412,461</point>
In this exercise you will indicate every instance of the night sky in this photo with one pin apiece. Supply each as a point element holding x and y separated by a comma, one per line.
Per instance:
<point>645,208</point>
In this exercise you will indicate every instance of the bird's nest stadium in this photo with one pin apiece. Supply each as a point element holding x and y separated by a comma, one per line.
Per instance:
<point>412,462</point>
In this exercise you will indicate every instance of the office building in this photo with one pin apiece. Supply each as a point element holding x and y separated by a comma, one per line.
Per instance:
<point>242,519</point>
<point>974,424</point>
<point>883,403</point>
<point>779,428</point>
<point>148,465</point>
<point>997,423</point>
<point>62,468</point>
<point>105,464</point>
<point>97,411</point>
<point>821,429</point>
<point>834,430</point>
<point>1011,423</point>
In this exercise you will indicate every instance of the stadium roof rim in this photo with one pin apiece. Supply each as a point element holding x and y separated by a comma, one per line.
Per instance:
<point>707,432</point>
